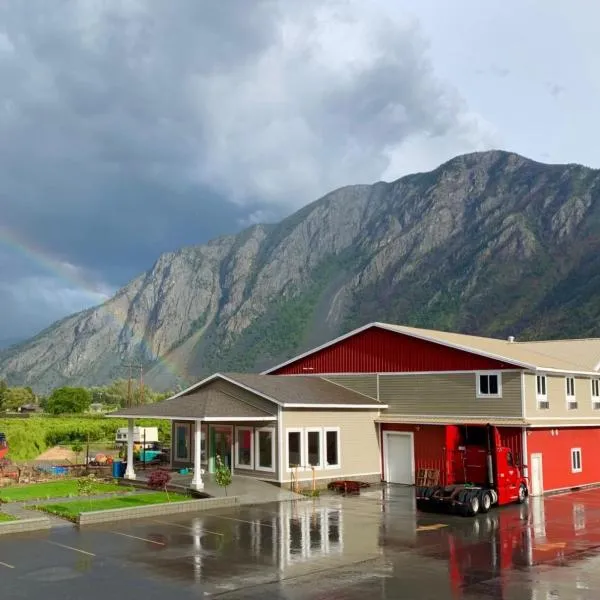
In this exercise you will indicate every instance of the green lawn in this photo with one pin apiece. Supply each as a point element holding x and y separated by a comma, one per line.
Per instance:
<point>71,510</point>
<point>4,518</point>
<point>53,489</point>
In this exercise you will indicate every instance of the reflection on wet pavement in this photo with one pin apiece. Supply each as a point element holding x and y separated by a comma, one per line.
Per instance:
<point>372,546</point>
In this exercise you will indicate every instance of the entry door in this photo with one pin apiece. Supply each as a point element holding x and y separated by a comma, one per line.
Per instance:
<point>536,475</point>
<point>399,463</point>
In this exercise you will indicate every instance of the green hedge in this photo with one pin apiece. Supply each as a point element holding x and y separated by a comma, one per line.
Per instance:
<point>28,438</point>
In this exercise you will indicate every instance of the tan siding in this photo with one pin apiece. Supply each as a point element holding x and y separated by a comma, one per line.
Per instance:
<point>448,394</point>
<point>363,384</point>
<point>244,395</point>
<point>557,397</point>
<point>359,445</point>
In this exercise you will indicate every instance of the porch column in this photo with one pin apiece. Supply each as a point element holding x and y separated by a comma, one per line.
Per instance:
<point>129,472</point>
<point>197,483</point>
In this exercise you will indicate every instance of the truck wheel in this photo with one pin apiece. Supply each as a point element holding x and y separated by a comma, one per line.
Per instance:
<point>473,504</point>
<point>485,501</point>
<point>522,493</point>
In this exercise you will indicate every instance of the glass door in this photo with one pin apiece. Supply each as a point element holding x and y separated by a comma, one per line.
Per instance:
<point>221,444</point>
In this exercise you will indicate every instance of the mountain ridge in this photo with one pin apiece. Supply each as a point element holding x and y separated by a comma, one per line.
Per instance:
<point>488,242</point>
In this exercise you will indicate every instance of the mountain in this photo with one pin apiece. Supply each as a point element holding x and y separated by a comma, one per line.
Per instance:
<point>489,243</point>
<point>8,342</point>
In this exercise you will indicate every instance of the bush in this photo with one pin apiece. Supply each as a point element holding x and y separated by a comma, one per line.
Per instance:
<point>159,479</point>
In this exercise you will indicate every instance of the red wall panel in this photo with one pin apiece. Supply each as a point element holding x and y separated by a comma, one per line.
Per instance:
<point>378,350</point>
<point>556,455</point>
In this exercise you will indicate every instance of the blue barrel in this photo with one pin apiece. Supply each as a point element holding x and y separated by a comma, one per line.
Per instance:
<point>116,468</point>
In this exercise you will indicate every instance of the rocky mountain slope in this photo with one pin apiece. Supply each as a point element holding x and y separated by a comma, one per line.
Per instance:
<point>488,243</point>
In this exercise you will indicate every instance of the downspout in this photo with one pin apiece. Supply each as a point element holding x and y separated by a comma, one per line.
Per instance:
<point>524,450</point>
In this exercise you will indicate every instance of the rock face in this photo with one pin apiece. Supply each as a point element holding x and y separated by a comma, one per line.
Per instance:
<point>488,243</point>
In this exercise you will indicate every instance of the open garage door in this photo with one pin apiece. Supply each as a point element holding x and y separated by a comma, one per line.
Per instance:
<point>399,464</point>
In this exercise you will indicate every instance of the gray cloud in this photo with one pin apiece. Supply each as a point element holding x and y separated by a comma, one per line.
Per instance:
<point>128,128</point>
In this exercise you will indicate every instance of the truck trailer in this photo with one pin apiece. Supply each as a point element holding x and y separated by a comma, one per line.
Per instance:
<point>479,473</point>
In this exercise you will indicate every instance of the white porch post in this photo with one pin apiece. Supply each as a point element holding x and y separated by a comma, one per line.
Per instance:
<point>197,483</point>
<point>129,472</point>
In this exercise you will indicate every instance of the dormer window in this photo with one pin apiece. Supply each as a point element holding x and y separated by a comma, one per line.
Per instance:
<point>570,386</point>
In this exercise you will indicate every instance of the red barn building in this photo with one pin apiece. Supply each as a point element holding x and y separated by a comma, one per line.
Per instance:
<point>436,387</point>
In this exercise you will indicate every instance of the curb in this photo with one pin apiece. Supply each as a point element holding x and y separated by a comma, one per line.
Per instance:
<point>25,525</point>
<point>155,510</point>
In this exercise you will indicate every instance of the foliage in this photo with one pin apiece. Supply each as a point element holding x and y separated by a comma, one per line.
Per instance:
<point>71,510</point>
<point>77,448</point>
<point>14,397</point>
<point>222,474</point>
<point>28,438</point>
<point>5,518</point>
<point>85,486</point>
<point>70,400</point>
<point>3,389</point>
<point>159,480</point>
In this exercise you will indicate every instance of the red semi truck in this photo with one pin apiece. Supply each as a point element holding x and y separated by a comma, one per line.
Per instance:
<point>480,473</point>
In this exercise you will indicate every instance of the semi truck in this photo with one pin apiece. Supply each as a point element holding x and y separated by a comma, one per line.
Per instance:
<point>479,474</point>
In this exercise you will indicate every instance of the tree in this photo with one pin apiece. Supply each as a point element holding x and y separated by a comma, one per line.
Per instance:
<point>222,474</point>
<point>77,447</point>
<point>3,390</point>
<point>68,400</point>
<point>159,480</point>
<point>15,397</point>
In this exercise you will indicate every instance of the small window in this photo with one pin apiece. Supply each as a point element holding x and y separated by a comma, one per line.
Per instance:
<point>332,447</point>
<point>595,389</point>
<point>509,459</point>
<point>570,386</point>
<point>294,448</point>
<point>488,384</point>
<point>541,386</point>
<point>576,460</point>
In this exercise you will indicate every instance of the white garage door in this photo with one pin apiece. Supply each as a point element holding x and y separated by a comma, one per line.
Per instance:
<point>398,448</point>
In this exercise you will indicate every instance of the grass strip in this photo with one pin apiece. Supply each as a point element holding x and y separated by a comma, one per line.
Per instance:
<point>53,489</point>
<point>4,518</point>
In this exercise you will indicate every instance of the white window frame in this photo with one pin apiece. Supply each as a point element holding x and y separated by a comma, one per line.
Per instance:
<point>496,374</point>
<point>236,448</point>
<point>539,396</point>
<point>307,464</point>
<point>336,430</point>
<point>595,392</point>
<point>300,431</point>
<point>257,466</point>
<point>574,452</point>
<point>571,398</point>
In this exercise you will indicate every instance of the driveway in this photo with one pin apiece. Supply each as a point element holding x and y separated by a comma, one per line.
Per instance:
<point>374,547</point>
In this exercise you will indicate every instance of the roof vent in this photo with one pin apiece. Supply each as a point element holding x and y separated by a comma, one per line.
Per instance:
<point>511,339</point>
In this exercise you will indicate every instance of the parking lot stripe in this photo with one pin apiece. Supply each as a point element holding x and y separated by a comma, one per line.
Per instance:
<point>433,527</point>
<point>243,521</point>
<point>135,537</point>
<point>186,527</point>
<point>3,564</point>
<point>70,548</point>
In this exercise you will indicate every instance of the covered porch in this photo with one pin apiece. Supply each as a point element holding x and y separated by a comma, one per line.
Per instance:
<point>212,422</point>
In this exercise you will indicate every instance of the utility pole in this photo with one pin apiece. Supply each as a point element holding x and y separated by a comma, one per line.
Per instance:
<point>129,382</point>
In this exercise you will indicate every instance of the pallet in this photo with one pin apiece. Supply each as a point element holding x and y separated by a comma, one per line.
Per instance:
<point>428,477</point>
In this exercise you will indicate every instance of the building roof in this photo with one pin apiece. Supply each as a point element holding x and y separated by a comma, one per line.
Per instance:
<point>566,356</point>
<point>450,420</point>
<point>214,404</point>
<point>205,404</point>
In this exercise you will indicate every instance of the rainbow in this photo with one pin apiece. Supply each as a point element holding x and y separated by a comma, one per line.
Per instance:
<point>75,277</point>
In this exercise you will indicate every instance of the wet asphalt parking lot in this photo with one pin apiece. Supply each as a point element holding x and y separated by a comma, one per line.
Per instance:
<point>374,546</point>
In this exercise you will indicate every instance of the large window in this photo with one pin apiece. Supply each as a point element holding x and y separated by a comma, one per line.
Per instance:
<point>265,449</point>
<point>244,448</point>
<point>489,385</point>
<point>576,460</point>
<point>294,448</point>
<point>313,448</point>
<point>332,447</point>
<point>182,441</point>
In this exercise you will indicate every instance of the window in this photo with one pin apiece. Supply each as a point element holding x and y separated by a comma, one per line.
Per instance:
<point>332,447</point>
<point>203,434</point>
<point>570,385</point>
<point>294,448</point>
<point>182,441</point>
<point>265,449</point>
<point>489,385</point>
<point>244,448</point>
<point>313,448</point>
<point>595,394</point>
<point>509,459</point>
<point>576,460</point>
<point>541,392</point>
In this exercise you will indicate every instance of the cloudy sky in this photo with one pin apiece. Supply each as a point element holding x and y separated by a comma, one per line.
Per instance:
<point>133,127</point>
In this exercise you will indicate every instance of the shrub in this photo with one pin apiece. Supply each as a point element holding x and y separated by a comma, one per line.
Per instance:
<point>222,474</point>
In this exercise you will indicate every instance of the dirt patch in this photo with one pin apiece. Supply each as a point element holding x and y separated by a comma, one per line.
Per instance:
<point>58,454</point>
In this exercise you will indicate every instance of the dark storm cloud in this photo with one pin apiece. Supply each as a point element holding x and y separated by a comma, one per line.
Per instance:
<point>128,128</point>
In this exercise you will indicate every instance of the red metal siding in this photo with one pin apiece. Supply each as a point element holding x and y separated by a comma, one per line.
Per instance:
<point>556,455</point>
<point>378,350</point>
